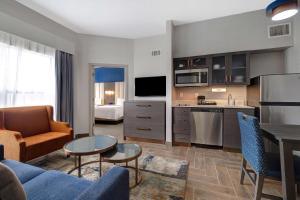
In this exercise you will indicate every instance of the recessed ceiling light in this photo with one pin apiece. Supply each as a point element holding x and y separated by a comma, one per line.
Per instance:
<point>282,9</point>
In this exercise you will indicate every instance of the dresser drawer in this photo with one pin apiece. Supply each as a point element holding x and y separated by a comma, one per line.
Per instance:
<point>145,131</point>
<point>153,109</point>
<point>145,120</point>
<point>144,116</point>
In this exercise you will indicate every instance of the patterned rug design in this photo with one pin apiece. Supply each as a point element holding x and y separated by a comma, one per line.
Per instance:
<point>162,178</point>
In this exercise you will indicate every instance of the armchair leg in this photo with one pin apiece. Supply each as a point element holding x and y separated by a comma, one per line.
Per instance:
<point>259,187</point>
<point>243,168</point>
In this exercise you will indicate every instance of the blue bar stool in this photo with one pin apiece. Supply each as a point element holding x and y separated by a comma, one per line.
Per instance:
<point>263,164</point>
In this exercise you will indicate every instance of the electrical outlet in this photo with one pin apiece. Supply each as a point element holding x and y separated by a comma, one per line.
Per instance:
<point>181,94</point>
<point>196,94</point>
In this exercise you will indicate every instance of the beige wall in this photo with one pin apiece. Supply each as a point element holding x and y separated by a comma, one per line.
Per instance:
<point>189,95</point>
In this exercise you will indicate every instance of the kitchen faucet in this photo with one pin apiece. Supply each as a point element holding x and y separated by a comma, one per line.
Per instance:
<point>229,102</point>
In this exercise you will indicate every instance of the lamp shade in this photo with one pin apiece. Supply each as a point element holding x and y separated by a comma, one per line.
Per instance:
<point>282,9</point>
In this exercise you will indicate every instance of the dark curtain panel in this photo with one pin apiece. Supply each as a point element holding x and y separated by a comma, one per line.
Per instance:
<point>64,87</point>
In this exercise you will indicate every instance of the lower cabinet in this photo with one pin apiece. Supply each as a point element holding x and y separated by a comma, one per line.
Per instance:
<point>231,129</point>
<point>181,125</point>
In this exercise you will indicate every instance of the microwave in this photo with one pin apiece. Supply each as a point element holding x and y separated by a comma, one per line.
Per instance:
<point>191,77</point>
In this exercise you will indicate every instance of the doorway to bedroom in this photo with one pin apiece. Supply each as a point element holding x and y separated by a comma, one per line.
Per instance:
<point>109,96</point>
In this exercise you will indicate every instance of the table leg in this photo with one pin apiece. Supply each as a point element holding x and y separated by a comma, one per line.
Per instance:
<point>287,170</point>
<point>75,161</point>
<point>136,171</point>
<point>100,166</point>
<point>79,166</point>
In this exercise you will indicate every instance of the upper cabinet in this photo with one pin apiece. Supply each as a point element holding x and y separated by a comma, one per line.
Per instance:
<point>191,63</point>
<point>239,68</point>
<point>230,69</point>
<point>181,63</point>
<point>219,69</point>
<point>224,69</point>
<point>199,62</point>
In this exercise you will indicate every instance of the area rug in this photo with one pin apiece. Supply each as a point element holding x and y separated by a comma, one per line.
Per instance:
<point>162,178</point>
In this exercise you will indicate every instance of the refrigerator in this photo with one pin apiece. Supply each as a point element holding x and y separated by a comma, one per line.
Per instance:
<point>276,98</point>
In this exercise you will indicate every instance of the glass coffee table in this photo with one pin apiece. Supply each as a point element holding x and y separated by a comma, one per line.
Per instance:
<point>89,146</point>
<point>124,153</point>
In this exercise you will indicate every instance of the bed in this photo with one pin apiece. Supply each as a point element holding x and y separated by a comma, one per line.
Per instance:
<point>113,113</point>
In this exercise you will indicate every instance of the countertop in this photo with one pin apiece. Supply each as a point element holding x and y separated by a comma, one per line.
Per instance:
<point>214,106</point>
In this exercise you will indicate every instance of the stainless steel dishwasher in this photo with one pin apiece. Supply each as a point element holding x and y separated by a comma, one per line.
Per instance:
<point>207,126</point>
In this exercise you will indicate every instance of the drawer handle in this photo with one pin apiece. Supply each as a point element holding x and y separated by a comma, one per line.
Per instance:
<point>143,105</point>
<point>143,117</point>
<point>144,129</point>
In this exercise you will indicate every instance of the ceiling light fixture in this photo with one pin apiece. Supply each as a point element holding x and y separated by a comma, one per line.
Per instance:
<point>282,9</point>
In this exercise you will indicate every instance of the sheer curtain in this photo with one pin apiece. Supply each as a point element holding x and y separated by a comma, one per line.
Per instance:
<point>27,72</point>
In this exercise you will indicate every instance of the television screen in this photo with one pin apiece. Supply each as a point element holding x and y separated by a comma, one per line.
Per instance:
<point>150,86</point>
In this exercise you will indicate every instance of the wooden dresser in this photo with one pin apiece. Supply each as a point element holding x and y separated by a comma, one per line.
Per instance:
<point>145,119</point>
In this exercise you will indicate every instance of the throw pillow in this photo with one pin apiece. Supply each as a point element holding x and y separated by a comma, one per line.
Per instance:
<point>10,186</point>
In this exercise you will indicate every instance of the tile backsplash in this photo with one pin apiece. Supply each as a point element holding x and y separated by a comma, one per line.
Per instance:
<point>188,95</point>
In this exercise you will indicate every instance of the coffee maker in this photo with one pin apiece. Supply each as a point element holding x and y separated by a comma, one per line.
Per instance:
<point>201,101</point>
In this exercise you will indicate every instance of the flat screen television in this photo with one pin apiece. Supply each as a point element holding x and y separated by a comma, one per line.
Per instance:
<point>150,86</point>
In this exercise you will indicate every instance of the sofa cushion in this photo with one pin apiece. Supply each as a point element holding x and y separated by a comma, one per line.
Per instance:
<point>27,120</point>
<point>10,186</point>
<point>44,143</point>
<point>23,171</point>
<point>55,185</point>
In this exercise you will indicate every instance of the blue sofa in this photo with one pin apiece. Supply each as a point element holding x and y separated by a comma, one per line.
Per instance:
<point>40,184</point>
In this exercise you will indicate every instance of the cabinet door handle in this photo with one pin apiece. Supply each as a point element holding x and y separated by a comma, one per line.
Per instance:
<point>144,129</point>
<point>143,105</point>
<point>143,117</point>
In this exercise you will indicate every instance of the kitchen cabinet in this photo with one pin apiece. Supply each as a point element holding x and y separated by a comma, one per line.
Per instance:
<point>219,69</point>
<point>238,68</point>
<point>181,63</point>
<point>195,62</point>
<point>181,125</point>
<point>224,69</point>
<point>231,129</point>
<point>230,69</point>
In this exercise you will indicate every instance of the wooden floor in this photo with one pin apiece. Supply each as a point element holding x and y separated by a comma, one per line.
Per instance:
<point>213,174</point>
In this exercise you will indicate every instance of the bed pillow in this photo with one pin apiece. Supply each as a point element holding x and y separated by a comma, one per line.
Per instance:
<point>10,186</point>
<point>120,101</point>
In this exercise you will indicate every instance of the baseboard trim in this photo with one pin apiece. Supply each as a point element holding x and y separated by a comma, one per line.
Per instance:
<point>81,135</point>
<point>144,140</point>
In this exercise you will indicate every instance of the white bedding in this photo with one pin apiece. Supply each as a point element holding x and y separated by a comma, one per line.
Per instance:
<point>109,112</point>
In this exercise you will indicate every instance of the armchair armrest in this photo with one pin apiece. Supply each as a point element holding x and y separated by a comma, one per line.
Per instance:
<point>14,145</point>
<point>1,152</point>
<point>62,127</point>
<point>114,185</point>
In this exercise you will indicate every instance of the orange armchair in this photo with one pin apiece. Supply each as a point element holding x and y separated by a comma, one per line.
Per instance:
<point>31,132</point>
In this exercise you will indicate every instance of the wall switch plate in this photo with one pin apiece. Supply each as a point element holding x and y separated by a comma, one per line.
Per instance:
<point>181,94</point>
<point>196,94</point>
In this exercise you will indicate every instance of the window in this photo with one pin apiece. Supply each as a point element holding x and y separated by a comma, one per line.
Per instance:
<point>27,72</point>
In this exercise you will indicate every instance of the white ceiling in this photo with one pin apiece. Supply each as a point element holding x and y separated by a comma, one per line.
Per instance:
<point>136,18</point>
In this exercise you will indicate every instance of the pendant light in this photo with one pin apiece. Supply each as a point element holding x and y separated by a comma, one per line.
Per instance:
<point>282,9</point>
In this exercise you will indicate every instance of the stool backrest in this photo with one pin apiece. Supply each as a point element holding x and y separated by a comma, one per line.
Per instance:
<point>253,149</point>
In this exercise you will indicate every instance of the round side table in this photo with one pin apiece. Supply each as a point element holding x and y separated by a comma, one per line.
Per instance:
<point>89,146</point>
<point>124,153</point>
